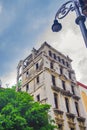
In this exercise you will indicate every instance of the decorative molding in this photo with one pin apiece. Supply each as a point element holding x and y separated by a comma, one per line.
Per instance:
<point>70,115</point>
<point>76,97</point>
<point>58,111</point>
<point>81,119</point>
<point>64,92</point>
<point>58,116</point>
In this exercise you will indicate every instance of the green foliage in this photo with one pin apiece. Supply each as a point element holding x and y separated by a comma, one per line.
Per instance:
<point>18,111</point>
<point>19,83</point>
<point>14,87</point>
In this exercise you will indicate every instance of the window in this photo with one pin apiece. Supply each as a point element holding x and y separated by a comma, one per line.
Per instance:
<point>77,108</point>
<point>72,88</point>
<point>27,87</point>
<point>60,127</point>
<point>54,56</point>
<point>63,85</point>
<point>53,80</point>
<point>50,53</point>
<point>27,74</point>
<point>36,66</point>
<point>61,70</point>
<point>72,129</point>
<point>67,104</point>
<point>56,100</point>
<point>70,75</point>
<point>51,65</point>
<point>63,61</point>
<point>58,58</point>
<point>67,64</point>
<point>37,79</point>
<point>38,97</point>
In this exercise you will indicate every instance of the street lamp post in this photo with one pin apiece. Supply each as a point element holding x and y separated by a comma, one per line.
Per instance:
<point>72,5</point>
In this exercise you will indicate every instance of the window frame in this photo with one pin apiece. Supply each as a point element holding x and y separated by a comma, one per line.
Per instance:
<point>59,59</point>
<point>53,80</point>
<point>77,108</point>
<point>73,89</point>
<point>51,65</point>
<point>63,61</point>
<point>54,56</point>
<point>27,87</point>
<point>61,70</point>
<point>37,79</point>
<point>56,100</point>
<point>63,85</point>
<point>67,105</point>
<point>50,53</point>
<point>27,74</point>
<point>37,66</point>
<point>38,98</point>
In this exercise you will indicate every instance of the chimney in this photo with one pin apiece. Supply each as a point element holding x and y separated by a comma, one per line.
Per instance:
<point>34,52</point>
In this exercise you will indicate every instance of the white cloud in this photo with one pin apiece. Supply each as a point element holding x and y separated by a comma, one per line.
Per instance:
<point>9,79</point>
<point>70,42</point>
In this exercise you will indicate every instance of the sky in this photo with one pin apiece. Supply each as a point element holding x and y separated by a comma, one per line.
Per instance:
<point>25,24</point>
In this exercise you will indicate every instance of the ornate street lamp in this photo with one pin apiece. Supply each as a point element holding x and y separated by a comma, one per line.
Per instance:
<point>72,5</point>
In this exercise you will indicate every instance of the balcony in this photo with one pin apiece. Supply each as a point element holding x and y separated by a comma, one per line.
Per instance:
<point>64,92</point>
<point>70,115</point>
<point>81,119</point>
<point>57,111</point>
<point>56,88</point>
<point>58,116</point>
<point>76,97</point>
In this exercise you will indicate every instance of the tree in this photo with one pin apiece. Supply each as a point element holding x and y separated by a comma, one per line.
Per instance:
<point>18,111</point>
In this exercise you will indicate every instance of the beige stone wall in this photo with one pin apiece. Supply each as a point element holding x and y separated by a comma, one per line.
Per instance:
<point>84,98</point>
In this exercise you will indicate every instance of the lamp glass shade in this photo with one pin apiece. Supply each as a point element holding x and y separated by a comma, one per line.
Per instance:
<point>84,10</point>
<point>56,27</point>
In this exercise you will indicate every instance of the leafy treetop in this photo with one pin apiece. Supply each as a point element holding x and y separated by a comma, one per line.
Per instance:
<point>18,111</point>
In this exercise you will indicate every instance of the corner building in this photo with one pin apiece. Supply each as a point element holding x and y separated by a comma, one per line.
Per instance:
<point>83,93</point>
<point>48,76</point>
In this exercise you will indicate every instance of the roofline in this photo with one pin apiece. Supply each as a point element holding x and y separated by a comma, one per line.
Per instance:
<point>46,44</point>
<point>82,85</point>
<point>60,53</point>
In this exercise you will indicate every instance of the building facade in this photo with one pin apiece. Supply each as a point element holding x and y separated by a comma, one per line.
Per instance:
<point>0,83</point>
<point>48,76</point>
<point>83,93</point>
